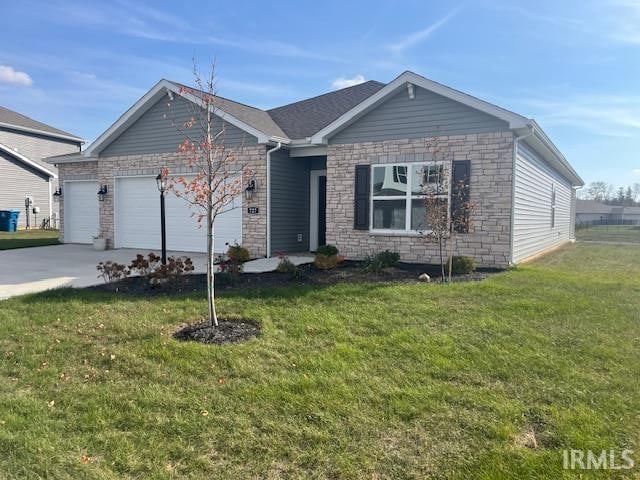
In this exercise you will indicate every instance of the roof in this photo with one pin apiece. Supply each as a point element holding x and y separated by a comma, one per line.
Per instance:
<point>304,118</point>
<point>259,119</point>
<point>18,121</point>
<point>592,206</point>
<point>27,161</point>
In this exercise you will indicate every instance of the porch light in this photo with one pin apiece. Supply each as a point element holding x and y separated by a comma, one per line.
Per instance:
<point>161,182</point>
<point>57,194</point>
<point>251,188</point>
<point>102,193</point>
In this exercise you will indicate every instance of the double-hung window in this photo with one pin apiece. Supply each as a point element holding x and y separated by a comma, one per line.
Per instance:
<point>398,194</point>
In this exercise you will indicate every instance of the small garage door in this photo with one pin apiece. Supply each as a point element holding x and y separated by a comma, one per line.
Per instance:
<point>81,217</point>
<point>137,220</point>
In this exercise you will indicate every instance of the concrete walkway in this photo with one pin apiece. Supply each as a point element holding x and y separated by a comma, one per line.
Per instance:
<point>29,270</point>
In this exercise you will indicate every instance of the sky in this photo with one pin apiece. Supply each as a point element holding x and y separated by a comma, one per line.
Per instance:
<point>572,65</point>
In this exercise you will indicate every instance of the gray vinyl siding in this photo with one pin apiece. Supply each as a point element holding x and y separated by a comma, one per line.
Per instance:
<point>534,180</point>
<point>159,130</point>
<point>289,203</point>
<point>427,115</point>
<point>18,181</point>
<point>36,147</point>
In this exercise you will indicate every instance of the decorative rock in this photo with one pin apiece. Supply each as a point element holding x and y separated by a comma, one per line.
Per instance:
<point>424,278</point>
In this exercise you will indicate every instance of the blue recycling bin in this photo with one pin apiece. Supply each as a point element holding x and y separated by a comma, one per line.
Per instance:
<point>9,220</point>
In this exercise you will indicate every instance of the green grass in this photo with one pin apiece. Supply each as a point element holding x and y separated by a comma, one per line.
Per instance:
<point>348,381</point>
<point>610,233</point>
<point>28,238</point>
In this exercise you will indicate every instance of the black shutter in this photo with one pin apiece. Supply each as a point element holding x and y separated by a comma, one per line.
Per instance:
<point>361,203</point>
<point>460,194</point>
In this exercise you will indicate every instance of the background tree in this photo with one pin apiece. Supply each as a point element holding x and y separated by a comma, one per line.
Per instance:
<point>599,191</point>
<point>216,181</point>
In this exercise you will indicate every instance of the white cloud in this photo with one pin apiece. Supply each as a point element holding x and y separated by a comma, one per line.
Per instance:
<point>10,75</point>
<point>342,82</point>
<point>421,35</point>
<point>636,171</point>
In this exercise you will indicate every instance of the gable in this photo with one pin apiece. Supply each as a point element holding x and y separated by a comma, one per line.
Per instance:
<point>158,130</point>
<point>428,114</point>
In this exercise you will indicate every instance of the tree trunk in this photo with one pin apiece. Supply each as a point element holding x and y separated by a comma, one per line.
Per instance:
<point>213,317</point>
<point>444,278</point>
<point>450,250</point>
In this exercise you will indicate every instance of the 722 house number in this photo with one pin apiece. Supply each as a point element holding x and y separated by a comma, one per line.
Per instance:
<point>252,210</point>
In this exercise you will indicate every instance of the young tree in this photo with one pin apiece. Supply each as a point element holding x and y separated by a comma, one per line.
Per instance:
<point>437,221</point>
<point>216,179</point>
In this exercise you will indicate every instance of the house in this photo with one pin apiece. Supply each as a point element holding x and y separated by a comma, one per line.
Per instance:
<point>591,212</point>
<point>340,168</point>
<point>24,143</point>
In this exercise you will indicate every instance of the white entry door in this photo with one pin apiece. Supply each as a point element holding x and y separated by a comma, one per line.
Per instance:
<point>81,216</point>
<point>137,219</point>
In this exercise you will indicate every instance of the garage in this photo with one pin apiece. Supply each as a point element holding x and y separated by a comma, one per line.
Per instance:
<point>81,217</point>
<point>137,219</point>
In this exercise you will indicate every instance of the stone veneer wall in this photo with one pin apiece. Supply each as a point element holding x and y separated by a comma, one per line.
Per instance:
<point>107,168</point>
<point>491,156</point>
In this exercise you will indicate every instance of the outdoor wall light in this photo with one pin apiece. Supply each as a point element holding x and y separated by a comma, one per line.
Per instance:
<point>102,193</point>
<point>250,190</point>
<point>161,182</point>
<point>57,194</point>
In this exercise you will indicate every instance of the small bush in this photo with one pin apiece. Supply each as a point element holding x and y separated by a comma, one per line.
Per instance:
<point>112,271</point>
<point>326,262</point>
<point>388,258</point>
<point>173,271</point>
<point>378,262</point>
<point>238,254</point>
<point>461,265</point>
<point>144,266</point>
<point>327,250</point>
<point>285,265</point>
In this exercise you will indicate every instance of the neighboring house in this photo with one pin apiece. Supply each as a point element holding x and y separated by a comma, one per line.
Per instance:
<point>591,212</point>
<point>340,168</point>
<point>24,143</point>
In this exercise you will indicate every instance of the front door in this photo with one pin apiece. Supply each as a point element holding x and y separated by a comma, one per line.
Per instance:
<point>317,209</point>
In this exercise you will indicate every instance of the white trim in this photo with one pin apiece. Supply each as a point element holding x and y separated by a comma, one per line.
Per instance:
<point>513,119</point>
<point>50,199</point>
<point>42,132</point>
<point>24,159</point>
<point>268,180</point>
<point>77,158</point>
<point>314,207</point>
<point>307,150</point>
<point>147,101</point>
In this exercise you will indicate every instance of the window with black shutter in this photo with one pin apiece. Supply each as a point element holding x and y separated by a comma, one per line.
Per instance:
<point>361,204</point>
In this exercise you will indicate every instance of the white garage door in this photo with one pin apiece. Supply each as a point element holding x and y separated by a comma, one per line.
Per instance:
<point>137,220</point>
<point>81,217</point>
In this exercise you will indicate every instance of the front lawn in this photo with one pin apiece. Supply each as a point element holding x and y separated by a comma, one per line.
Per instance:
<point>610,233</point>
<point>346,381</point>
<point>28,238</point>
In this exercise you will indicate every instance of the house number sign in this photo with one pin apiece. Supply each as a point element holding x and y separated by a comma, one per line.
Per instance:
<point>252,210</point>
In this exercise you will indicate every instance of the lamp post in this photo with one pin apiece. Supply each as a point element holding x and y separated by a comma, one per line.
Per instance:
<point>161,181</point>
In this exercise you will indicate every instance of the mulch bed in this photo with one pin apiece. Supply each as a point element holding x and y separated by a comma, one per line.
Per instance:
<point>227,331</point>
<point>349,271</point>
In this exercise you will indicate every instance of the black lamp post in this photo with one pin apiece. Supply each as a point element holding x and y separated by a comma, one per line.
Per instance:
<point>161,181</point>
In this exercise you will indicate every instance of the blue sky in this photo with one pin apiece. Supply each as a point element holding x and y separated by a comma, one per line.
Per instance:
<point>572,65</point>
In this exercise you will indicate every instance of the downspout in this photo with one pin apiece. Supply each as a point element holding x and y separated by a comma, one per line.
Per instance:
<point>516,141</point>
<point>269,152</point>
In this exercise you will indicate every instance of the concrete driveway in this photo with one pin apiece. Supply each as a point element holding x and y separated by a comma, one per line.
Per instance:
<point>28,270</point>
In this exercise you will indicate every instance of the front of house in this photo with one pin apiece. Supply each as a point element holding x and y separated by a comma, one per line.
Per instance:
<point>343,168</point>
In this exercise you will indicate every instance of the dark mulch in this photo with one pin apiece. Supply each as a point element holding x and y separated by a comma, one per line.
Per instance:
<point>227,331</point>
<point>349,271</point>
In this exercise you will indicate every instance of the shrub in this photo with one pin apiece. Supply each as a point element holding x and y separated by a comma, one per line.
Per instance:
<point>285,265</point>
<point>173,271</point>
<point>238,254</point>
<point>326,262</point>
<point>327,250</point>
<point>461,265</point>
<point>144,266</point>
<point>378,262</point>
<point>112,271</point>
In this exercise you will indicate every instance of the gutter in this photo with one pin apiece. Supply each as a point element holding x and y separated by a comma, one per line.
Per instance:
<point>516,141</point>
<point>269,152</point>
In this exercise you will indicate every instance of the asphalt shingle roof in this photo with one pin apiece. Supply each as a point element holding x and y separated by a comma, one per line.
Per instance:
<point>16,119</point>
<point>255,117</point>
<point>304,118</point>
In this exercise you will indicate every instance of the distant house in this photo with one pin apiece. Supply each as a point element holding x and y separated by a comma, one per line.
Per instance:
<point>346,168</point>
<point>590,212</point>
<point>24,142</point>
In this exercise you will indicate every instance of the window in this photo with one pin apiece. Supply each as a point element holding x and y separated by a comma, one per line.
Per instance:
<point>398,192</point>
<point>553,206</point>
